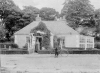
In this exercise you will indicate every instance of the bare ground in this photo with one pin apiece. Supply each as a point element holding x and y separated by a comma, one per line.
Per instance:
<point>35,63</point>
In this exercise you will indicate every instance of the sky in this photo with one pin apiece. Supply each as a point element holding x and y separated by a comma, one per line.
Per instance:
<point>56,4</point>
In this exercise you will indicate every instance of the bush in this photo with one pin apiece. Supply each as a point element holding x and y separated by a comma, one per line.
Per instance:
<point>97,45</point>
<point>3,40</point>
<point>73,48</point>
<point>14,51</point>
<point>14,45</point>
<point>71,52</point>
<point>26,46</point>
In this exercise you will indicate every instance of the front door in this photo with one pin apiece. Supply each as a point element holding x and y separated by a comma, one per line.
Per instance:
<point>38,45</point>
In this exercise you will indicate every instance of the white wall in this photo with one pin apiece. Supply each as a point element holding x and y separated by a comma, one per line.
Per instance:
<point>71,41</point>
<point>20,40</point>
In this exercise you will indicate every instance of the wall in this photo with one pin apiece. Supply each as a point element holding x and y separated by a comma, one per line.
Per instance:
<point>86,41</point>
<point>71,41</point>
<point>74,41</point>
<point>20,40</point>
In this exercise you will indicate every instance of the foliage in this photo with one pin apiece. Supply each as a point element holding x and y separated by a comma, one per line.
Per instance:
<point>5,7</point>
<point>42,27</point>
<point>76,11</point>
<point>46,41</point>
<point>96,51</point>
<point>12,45</point>
<point>16,51</point>
<point>29,15</point>
<point>2,32</point>
<point>26,46</point>
<point>97,21</point>
<point>31,10</point>
<point>97,44</point>
<point>48,13</point>
<point>97,13</point>
<point>9,14</point>
<point>46,35</point>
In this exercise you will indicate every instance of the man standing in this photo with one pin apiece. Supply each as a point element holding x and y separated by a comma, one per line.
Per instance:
<point>56,52</point>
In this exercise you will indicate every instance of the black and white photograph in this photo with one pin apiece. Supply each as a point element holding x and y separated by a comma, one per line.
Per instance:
<point>49,36</point>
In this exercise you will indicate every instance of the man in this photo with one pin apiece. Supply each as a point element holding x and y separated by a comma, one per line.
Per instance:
<point>56,52</point>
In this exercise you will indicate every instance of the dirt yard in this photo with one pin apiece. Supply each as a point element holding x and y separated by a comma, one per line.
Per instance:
<point>35,63</point>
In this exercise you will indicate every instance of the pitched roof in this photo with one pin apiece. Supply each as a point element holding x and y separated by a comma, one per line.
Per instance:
<point>56,27</point>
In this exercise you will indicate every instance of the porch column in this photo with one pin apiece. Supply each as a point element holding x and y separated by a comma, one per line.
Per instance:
<point>33,42</point>
<point>29,44</point>
<point>51,40</point>
<point>85,43</point>
<point>30,41</point>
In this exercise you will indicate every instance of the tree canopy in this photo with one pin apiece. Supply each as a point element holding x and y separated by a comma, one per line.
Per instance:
<point>29,14</point>
<point>9,14</point>
<point>14,19</point>
<point>2,32</point>
<point>48,13</point>
<point>76,11</point>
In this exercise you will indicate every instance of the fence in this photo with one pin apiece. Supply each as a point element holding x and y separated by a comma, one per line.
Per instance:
<point>10,48</point>
<point>14,52</point>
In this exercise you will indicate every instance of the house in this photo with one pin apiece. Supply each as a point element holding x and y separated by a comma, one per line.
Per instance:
<point>35,33</point>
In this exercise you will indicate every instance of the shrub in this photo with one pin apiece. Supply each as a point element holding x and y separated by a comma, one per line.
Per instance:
<point>70,52</point>
<point>14,51</point>
<point>97,45</point>
<point>26,46</point>
<point>14,45</point>
<point>3,40</point>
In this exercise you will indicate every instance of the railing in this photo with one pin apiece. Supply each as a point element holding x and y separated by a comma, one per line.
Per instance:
<point>13,51</point>
<point>11,48</point>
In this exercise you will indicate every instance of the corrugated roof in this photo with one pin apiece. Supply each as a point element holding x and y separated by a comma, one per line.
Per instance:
<point>56,27</point>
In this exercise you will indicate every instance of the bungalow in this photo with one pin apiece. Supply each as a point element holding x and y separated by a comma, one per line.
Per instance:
<point>42,33</point>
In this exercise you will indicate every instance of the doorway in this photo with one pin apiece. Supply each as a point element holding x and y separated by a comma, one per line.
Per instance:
<point>38,45</point>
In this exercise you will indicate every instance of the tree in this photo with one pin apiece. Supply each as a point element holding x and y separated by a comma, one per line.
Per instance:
<point>76,11</point>
<point>48,13</point>
<point>2,32</point>
<point>30,14</point>
<point>31,10</point>
<point>97,25</point>
<point>9,15</point>
<point>5,7</point>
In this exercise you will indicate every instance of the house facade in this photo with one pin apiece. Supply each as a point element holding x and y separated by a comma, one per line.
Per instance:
<point>38,33</point>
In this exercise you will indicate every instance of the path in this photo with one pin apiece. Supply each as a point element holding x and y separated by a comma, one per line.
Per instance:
<point>47,63</point>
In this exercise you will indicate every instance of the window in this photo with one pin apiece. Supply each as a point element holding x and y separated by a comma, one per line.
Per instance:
<point>27,39</point>
<point>89,41</point>
<point>86,42</point>
<point>82,45</point>
<point>61,41</point>
<point>89,45</point>
<point>82,40</point>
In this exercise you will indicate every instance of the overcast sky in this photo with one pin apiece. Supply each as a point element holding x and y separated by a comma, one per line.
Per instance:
<point>56,4</point>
